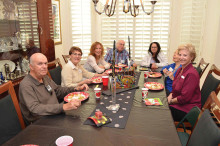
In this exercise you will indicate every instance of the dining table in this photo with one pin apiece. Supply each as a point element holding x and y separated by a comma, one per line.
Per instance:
<point>145,125</point>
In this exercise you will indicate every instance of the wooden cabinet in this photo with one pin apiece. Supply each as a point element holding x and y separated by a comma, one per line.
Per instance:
<point>44,9</point>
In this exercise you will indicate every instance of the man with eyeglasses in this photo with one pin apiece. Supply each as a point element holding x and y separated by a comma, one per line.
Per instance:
<point>38,94</point>
<point>121,55</point>
<point>73,73</point>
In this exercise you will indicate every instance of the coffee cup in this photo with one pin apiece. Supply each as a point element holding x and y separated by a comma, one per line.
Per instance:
<point>146,73</point>
<point>97,93</point>
<point>144,92</point>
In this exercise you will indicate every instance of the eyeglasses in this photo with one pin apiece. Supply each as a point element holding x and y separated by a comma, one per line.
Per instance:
<point>75,54</point>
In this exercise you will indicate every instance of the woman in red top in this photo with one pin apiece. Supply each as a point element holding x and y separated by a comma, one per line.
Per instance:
<point>186,91</point>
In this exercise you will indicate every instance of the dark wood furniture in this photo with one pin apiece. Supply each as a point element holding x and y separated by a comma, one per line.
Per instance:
<point>66,57</point>
<point>202,67</point>
<point>213,104</point>
<point>8,87</point>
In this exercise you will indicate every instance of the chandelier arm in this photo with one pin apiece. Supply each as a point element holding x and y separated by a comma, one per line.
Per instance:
<point>95,6</point>
<point>133,12</point>
<point>112,9</point>
<point>152,7</point>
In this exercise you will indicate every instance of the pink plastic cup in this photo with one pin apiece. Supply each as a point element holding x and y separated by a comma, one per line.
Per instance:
<point>64,141</point>
<point>105,80</point>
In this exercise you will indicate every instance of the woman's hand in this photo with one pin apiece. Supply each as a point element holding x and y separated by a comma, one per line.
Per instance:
<point>170,74</point>
<point>101,66</point>
<point>154,66</point>
<point>165,71</point>
<point>87,81</point>
<point>82,87</point>
<point>170,97</point>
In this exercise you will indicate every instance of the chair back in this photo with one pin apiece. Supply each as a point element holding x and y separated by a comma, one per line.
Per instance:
<point>55,73</point>
<point>211,84</point>
<point>11,122</point>
<point>66,58</point>
<point>213,104</point>
<point>205,133</point>
<point>202,67</point>
<point>191,117</point>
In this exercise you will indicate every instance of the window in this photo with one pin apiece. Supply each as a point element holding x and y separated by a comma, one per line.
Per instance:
<point>28,22</point>
<point>142,29</point>
<point>81,25</point>
<point>193,18</point>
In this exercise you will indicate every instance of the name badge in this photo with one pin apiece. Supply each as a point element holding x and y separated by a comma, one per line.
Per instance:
<point>170,69</point>
<point>182,77</point>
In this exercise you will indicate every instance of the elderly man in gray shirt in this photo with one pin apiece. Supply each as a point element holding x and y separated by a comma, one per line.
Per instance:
<point>39,95</point>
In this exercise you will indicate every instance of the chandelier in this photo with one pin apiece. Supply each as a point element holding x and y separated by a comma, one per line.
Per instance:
<point>128,5</point>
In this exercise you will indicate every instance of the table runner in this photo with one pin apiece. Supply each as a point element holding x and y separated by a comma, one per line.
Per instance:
<point>119,118</point>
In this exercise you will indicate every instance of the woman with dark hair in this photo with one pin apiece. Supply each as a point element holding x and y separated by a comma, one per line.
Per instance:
<point>155,57</point>
<point>95,62</point>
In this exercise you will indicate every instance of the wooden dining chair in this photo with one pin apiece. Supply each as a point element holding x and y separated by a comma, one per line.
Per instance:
<point>55,72</point>
<point>190,118</point>
<point>211,83</point>
<point>202,67</point>
<point>11,122</point>
<point>213,104</point>
<point>205,133</point>
<point>66,58</point>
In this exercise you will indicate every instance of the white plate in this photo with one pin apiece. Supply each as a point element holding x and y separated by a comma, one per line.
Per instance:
<point>2,67</point>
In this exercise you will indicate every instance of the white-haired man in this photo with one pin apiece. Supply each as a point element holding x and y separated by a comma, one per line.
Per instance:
<point>39,95</point>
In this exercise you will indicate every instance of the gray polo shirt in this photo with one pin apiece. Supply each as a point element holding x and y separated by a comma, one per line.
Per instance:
<point>36,101</point>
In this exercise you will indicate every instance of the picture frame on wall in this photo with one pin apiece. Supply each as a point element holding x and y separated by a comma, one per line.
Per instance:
<point>56,22</point>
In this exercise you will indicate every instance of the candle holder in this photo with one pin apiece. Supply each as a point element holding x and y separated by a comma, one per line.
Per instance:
<point>113,106</point>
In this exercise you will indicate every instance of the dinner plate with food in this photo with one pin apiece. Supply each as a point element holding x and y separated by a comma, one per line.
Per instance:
<point>154,74</point>
<point>76,95</point>
<point>153,86</point>
<point>121,65</point>
<point>110,71</point>
<point>97,80</point>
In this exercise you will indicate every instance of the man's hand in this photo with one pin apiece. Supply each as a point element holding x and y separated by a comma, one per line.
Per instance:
<point>73,104</point>
<point>82,87</point>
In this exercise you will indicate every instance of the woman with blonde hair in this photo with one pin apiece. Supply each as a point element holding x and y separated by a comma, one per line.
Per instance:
<point>95,62</point>
<point>186,91</point>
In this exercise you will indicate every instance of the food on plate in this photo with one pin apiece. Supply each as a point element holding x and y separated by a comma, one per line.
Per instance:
<point>76,96</point>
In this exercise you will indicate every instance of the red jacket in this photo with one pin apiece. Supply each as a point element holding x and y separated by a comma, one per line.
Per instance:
<point>186,89</point>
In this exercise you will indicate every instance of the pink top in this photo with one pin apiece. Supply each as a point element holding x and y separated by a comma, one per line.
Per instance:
<point>186,89</point>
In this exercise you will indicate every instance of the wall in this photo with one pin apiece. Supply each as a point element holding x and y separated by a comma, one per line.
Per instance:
<point>63,49</point>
